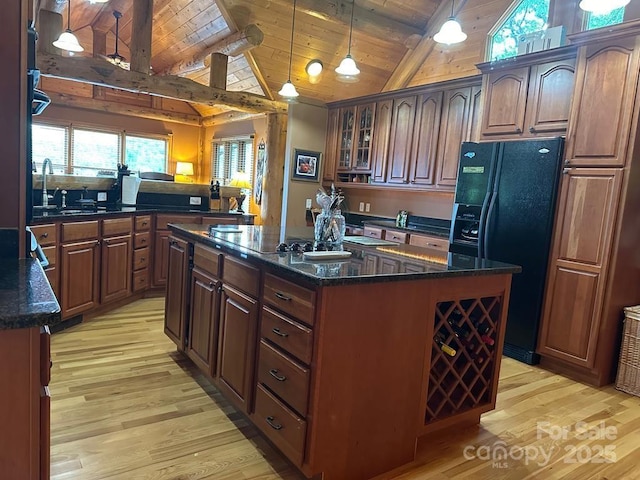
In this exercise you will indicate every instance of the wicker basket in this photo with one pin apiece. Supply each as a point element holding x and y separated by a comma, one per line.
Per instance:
<point>628,379</point>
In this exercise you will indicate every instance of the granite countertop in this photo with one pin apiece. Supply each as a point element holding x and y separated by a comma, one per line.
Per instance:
<point>366,265</point>
<point>101,211</point>
<point>26,298</point>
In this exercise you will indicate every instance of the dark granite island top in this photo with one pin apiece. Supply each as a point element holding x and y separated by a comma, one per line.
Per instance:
<point>26,298</point>
<point>366,264</point>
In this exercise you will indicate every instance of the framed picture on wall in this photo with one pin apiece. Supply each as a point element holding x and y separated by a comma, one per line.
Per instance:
<point>306,165</point>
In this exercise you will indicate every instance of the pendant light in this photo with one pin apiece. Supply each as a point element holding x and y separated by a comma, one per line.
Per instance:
<point>602,6</point>
<point>348,70</point>
<point>115,57</point>
<point>451,31</point>
<point>288,90</point>
<point>67,40</point>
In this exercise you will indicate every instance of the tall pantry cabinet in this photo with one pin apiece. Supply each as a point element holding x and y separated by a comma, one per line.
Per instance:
<point>595,261</point>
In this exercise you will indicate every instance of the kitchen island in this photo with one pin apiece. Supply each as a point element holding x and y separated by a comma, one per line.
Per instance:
<point>28,308</point>
<point>341,363</point>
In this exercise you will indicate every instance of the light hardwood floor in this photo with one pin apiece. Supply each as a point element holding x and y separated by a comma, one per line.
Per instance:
<point>125,405</point>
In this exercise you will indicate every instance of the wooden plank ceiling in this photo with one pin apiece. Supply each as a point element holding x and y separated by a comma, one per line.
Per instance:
<point>384,31</point>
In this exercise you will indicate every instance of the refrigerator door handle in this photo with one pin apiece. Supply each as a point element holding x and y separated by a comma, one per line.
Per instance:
<point>487,225</point>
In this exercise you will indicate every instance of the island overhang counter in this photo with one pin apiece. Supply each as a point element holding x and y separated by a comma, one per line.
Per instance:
<point>343,364</point>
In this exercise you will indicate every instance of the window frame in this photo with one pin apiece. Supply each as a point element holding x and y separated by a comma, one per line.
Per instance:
<point>122,134</point>
<point>248,139</point>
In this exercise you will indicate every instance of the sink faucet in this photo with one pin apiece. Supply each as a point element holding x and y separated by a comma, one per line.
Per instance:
<point>45,195</point>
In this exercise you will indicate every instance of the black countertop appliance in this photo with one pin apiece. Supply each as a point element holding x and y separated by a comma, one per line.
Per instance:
<point>504,210</point>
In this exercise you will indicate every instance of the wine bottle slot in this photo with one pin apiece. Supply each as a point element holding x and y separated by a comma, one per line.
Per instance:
<point>440,340</point>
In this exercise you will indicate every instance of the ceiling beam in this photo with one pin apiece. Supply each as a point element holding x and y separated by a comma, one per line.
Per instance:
<point>415,57</point>
<point>100,72</point>
<point>229,117</point>
<point>141,36</point>
<point>248,55</point>
<point>66,100</point>
<point>364,20</point>
<point>233,45</point>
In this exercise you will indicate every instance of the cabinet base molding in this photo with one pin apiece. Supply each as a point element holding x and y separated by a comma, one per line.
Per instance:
<point>597,379</point>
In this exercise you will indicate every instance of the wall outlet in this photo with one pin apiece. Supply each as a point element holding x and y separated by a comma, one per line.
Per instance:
<point>102,196</point>
<point>307,203</point>
<point>367,207</point>
<point>195,200</point>
<point>361,207</point>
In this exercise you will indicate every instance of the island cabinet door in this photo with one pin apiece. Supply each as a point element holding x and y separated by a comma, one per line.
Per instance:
<point>236,351</point>
<point>80,277</point>
<point>160,259</point>
<point>176,297</point>
<point>204,313</point>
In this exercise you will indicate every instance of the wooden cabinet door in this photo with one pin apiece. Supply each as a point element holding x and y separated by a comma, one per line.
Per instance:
<point>575,289</point>
<point>160,257</point>
<point>606,79</point>
<point>400,139</point>
<point>116,268</point>
<point>475,115</point>
<point>361,154</point>
<point>346,140</point>
<point>331,149</point>
<point>454,130</point>
<point>202,343</point>
<point>236,351</point>
<point>80,277</point>
<point>505,101</point>
<point>425,138</point>
<point>549,97</point>
<point>176,296</point>
<point>381,133</point>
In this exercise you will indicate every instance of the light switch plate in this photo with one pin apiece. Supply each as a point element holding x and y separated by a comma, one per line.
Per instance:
<point>195,200</point>
<point>102,196</point>
<point>361,207</point>
<point>367,207</point>
<point>308,203</point>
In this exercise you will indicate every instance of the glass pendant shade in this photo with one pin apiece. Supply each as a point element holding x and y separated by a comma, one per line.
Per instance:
<point>450,33</point>
<point>602,6</point>
<point>68,41</point>
<point>288,90</point>
<point>115,57</point>
<point>98,1</point>
<point>348,71</point>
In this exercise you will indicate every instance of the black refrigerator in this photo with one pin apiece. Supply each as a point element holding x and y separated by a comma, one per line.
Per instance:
<point>504,210</point>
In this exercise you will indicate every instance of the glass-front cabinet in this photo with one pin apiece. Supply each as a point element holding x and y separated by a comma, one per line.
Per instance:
<point>356,137</point>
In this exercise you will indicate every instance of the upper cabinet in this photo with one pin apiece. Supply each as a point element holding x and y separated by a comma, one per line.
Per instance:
<point>331,149</point>
<point>410,140</point>
<point>528,96</point>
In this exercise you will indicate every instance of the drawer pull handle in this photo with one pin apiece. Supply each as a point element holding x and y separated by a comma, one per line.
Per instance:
<point>274,373</point>
<point>277,331</point>
<point>144,224</point>
<point>44,235</point>
<point>144,240</point>
<point>211,284</point>
<point>282,296</point>
<point>275,426</point>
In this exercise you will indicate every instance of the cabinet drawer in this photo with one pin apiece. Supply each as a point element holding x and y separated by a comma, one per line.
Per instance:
<point>284,428</point>
<point>45,234</point>
<point>72,232</point>
<point>163,220</point>
<point>290,298</point>
<point>45,355</point>
<point>373,232</point>
<point>207,259</point>
<point>395,236</point>
<point>116,226</point>
<point>142,240</point>
<point>143,223</point>
<point>287,334</point>
<point>140,280</point>
<point>284,377</point>
<point>52,255</point>
<point>437,243</point>
<point>242,275</point>
<point>141,258</point>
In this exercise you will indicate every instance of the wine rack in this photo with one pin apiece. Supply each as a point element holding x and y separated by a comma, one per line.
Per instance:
<point>463,356</point>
